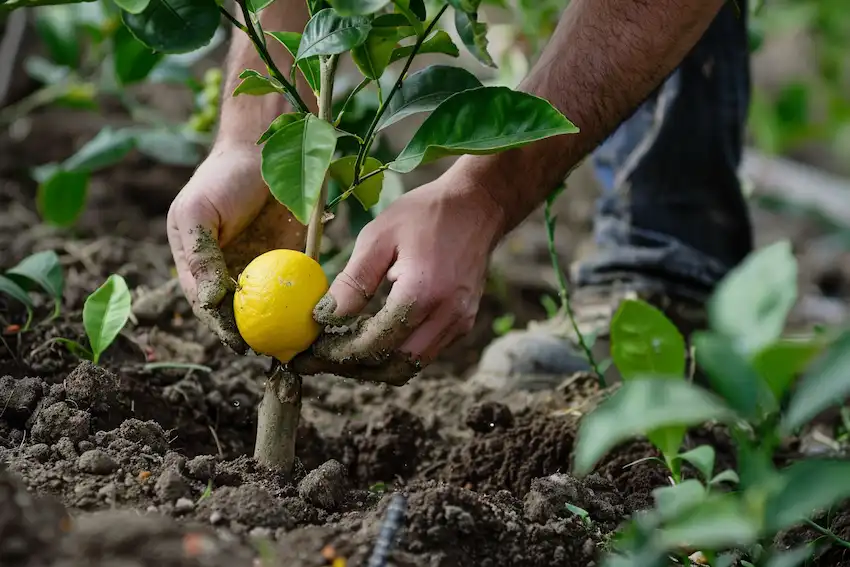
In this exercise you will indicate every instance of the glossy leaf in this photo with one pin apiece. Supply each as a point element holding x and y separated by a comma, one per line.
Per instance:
<point>468,6</point>
<point>278,123</point>
<point>9,288</point>
<point>357,7</point>
<point>256,6</point>
<point>639,406</point>
<point>439,42</point>
<point>807,486</point>
<point>752,303</point>
<point>644,341</point>
<point>309,67</point>
<point>255,84</point>
<point>368,192</point>
<point>133,61</point>
<point>328,33</point>
<point>62,197</point>
<point>175,26</point>
<point>702,459</point>
<point>672,501</point>
<point>58,27</point>
<point>720,522</point>
<point>295,161</point>
<point>729,373</point>
<point>825,385</point>
<point>133,6</point>
<point>424,90</point>
<point>473,34</point>
<point>106,149</point>
<point>373,55</point>
<point>485,120</point>
<point>105,313</point>
<point>668,440</point>
<point>727,475</point>
<point>779,363</point>
<point>418,9</point>
<point>43,269</point>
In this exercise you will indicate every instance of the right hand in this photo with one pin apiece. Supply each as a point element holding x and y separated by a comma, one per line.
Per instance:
<point>221,220</point>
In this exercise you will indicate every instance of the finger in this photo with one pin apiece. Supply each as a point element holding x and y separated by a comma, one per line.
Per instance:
<point>199,236</point>
<point>435,333</point>
<point>184,275</point>
<point>352,289</point>
<point>395,370</point>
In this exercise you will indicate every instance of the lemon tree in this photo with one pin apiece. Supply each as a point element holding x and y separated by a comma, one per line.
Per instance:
<point>303,152</point>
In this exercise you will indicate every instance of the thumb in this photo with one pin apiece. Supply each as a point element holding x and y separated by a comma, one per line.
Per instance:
<point>352,289</point>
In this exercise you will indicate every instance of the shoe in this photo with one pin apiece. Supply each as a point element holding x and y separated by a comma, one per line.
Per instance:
<point>546,353</point>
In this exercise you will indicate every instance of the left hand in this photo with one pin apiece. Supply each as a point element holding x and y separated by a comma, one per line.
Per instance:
<point>433,244</point>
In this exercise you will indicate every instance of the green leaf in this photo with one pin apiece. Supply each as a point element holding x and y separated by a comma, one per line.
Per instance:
<point>439,42</point>
<point>133,6</point>
<point>424,90</point>
<point>106,149</point>
<point>357,7</point>
<point>255,84</point>
<point>167,146</point>
<point>702,458</point>
<point>473,34</point>
<point>105,313</point>
<point>132,60</point>
<point>752,302</point>
<point>644,341</point>
<point>368,192</point>
<point>779,363</point>
<point>256,6</point>
<point>310,67</point>
<point>720,522</point>
<point>727,475</point>
<point>45,270</point>
<point>373,55</point>
<point>668,440</point>
<point>640,406</point>
<point>791,558</point>
<point>62,197</point>
<point>418,9</point>
<point>806,486</point>
<point>58,27</point>
<point>278,123</point>
<point>672,501</point>
<point>295,160</point>
<point>730,374</point>
<point>175,26</point>
<point>13,290</point>
<point>826,384</point>
<point>328,33</point>
<point>468,6</point>
<point>485,120</point>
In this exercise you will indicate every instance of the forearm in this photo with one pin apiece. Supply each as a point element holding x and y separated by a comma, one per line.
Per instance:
<point>244,118</point>
<point>604,59</point>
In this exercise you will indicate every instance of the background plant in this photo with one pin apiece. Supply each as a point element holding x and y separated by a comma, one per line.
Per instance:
<point>751,370</point>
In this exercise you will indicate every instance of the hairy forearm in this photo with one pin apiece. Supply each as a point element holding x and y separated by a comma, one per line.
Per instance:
<point>244,118</point>
<point>604,59</point>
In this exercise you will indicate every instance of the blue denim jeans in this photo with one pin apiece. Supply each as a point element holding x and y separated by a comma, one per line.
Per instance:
<point>672,215</point>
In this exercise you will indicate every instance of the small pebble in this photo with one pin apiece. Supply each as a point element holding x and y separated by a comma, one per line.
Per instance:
<point>152,509</point>
<point>216,518</point>
<point>260,533</point>
<point>84,446</point>
<point>96,461</point>
<point>325,486</point>
<point>183,505</point>
<point>170,486</point>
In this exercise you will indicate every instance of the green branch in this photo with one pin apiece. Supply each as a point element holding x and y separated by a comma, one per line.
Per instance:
<point>564,290</point>
<point>259,42</point>
<point>369,138</point>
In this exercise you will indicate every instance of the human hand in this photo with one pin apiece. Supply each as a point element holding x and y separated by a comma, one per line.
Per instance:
<point>433,244</point>
<point>221,220</point>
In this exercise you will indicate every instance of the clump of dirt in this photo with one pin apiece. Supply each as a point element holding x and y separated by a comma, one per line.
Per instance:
<point>511,456</point>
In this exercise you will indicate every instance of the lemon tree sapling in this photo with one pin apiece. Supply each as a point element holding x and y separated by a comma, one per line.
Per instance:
<point>301,150</point>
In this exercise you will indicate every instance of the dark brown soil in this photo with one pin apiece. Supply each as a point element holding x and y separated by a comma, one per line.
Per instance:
<point>119,465</point>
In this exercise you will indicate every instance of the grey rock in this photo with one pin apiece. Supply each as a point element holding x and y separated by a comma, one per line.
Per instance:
<point>325,486</point>
<point>95,461</point>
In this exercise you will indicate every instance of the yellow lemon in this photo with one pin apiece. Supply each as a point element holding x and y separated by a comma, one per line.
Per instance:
<point>274,302</point>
